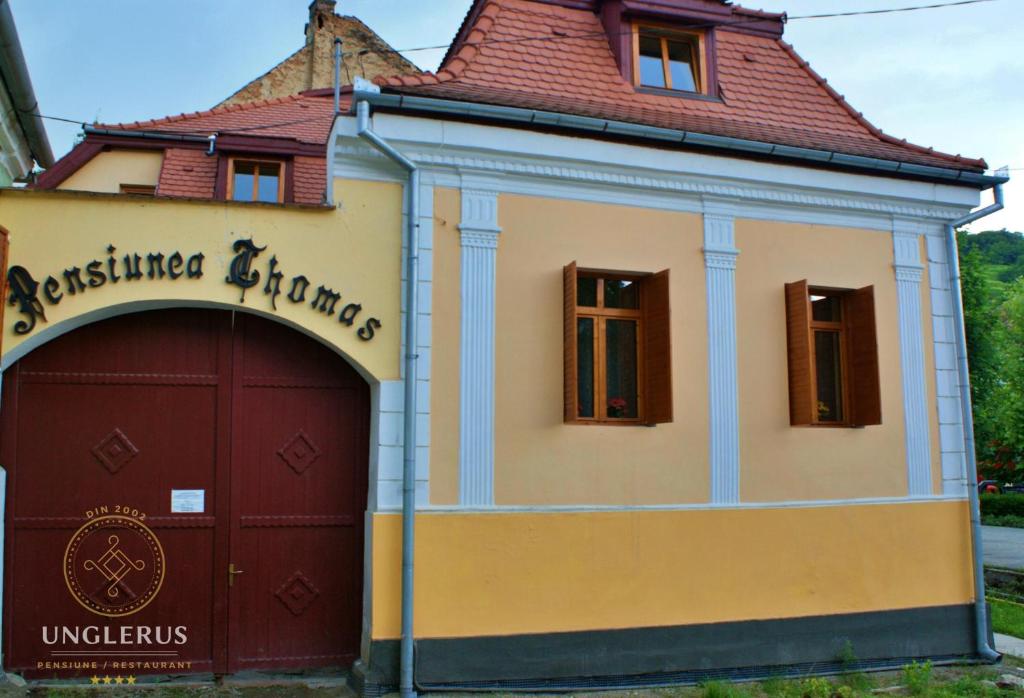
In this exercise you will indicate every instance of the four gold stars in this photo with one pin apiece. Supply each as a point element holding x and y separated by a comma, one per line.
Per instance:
<point>107,680</point>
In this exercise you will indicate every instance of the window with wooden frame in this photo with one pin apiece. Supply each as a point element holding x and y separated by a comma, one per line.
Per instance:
<point>669,59</point>
<point>617,344</point>
<point>833,356</point>
<point>256,180</point>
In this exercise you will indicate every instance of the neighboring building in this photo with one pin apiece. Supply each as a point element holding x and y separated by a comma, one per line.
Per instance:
<point>683,401</point>
<point>312,66</point>
<point>23,140</point>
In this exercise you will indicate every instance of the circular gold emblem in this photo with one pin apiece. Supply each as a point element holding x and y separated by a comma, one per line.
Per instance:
<point>114,565</point>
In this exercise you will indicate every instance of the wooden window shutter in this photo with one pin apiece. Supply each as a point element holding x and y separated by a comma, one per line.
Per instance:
<point>865,394</point>
<point>657,349</point>
<point>798,340</point>
<point>571,397</point>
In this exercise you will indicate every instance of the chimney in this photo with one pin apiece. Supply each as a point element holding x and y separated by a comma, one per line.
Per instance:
<point>318,10</point>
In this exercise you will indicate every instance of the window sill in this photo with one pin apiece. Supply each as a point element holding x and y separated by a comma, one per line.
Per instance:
<point>680,94</point>
<point>610,423</point>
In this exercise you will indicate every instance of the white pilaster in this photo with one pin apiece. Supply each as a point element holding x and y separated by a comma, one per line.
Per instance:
<point>947,375</point>
<point>479,233</point>
<point>906,245</point>
<point>720,271</point>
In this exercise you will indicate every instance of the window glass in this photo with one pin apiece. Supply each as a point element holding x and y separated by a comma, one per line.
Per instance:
<point>620,293</point>
<point>586,291</point>
<point>826,308</point>
<point>680,65</point>
<point>269,175</point>
<point>242,187</point>
<point>621,368</point>
<point>828,365</point>
<point>651,70</point>
<point>585,365</point>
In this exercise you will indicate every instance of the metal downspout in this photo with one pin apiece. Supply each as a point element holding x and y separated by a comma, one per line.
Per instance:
<point>363,130</point>
<point>980,611</point>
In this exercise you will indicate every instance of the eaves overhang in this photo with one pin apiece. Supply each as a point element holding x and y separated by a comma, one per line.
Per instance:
<point>16,81</point>
<point>621,130</point>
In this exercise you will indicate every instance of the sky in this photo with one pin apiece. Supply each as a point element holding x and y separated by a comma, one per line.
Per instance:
<point>951,78</point>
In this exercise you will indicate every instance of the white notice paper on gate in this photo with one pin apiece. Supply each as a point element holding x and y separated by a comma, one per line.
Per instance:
<point>187,501</point>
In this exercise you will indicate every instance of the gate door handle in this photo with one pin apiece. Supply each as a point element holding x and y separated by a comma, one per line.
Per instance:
<point>231,574</point>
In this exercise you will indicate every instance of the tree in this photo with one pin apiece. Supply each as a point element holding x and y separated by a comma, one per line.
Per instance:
<point>1006,403</point>
<point>982,350</point>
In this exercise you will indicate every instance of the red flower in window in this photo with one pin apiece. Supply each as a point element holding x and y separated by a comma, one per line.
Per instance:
<point>616,407</point>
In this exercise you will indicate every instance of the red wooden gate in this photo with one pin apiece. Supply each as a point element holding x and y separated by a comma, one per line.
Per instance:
<point>262,429</point>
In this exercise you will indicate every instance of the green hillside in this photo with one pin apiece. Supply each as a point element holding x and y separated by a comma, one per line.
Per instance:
<point>1002,257</point>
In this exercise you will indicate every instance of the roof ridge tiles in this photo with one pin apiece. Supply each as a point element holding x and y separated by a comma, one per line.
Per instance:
<point>215,111</point>
<point>860,118</point>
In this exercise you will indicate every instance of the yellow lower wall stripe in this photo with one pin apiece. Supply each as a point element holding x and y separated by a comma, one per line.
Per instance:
<point>487,574</point>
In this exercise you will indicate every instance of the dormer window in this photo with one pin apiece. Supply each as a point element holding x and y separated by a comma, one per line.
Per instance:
<point>256,180</point>
<point>669,60</point>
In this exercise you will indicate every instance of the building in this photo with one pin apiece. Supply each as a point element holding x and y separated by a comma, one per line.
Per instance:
<point>312,66</point>
<point>23,141</point>
<point>681,396</point>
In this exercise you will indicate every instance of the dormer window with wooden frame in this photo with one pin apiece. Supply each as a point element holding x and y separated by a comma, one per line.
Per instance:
<point>256,180</point>
<point>832,356</point>
<point>617,347</point>
<point>669,59</point>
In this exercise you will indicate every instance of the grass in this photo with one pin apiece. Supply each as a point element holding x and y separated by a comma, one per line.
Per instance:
<point>1007,617</point>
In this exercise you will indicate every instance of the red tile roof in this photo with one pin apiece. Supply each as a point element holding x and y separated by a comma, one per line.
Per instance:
<point>187,172</point>
<point>536,55</point>
<point>304,118</point>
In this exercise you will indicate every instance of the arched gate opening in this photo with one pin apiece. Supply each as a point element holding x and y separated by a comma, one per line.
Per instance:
<point>236,451</point>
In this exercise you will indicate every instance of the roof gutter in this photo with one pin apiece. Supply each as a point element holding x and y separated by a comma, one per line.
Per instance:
<point>981,626</point>
<point>519,116</point>
<point>149,135</point>
<point>19,86</point>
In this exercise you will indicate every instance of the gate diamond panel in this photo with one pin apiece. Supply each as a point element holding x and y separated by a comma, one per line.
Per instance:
<point>299,453</point>
<point>115,451</point>
<point>297,593</point>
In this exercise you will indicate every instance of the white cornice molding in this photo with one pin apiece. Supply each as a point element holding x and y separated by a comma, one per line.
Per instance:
<point>644,187</point>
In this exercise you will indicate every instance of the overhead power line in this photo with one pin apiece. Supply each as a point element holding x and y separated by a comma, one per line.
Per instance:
<point>747,20</point>
<point>890,10</point>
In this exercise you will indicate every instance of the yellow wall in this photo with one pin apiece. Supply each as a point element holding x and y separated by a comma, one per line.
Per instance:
<point>538,459</point>
<point>355,250</point>
<point>781,462</point>
<point>108,171</point>
<point>445,337</point>
<point>505,574</point>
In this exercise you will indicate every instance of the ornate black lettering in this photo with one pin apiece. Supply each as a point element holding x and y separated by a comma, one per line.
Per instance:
<point>73,278</point>
<point>51,291</point>
<point>174,264</point>
<point>348,314</point>
<point>156,265</point>
<point>327,299</point>
<point>295,295</point>
<point>96,276</point>
<point>112,264</point>
<point>273,285</point>
<point>23,294</point>
<point>194,266</point>
<point>240,272</point>
<point>366,332</point>
<point>131,273</point>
